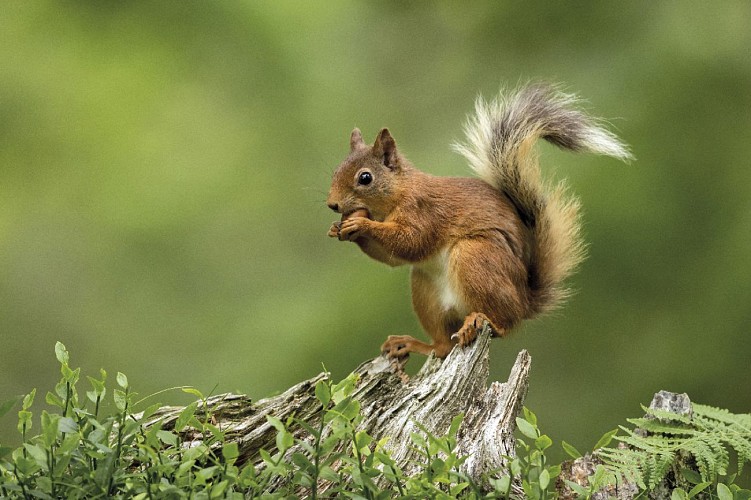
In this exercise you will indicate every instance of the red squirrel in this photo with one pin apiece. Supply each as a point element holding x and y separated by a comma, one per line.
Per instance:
<point>491,249</point>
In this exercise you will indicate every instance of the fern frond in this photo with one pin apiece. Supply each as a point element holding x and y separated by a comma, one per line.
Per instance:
<point>653,444</point>
<point>657,426</point>
<point>665,439</point>
<point>721,415</point>
<point>625,464</point>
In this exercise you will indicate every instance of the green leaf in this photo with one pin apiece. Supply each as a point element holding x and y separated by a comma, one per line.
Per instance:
<point>67,373</point>
<point>24,420</point>
<point>723,492</point>
<point>348,408</point>
<point>284,441</point>
<point>456,489</point>
<point>195,392</point>
<point>69,444</point>
<point>678,494</point>
<point>185,416</point>
<point>276,423</point>
<point>691,475</point>
<point>230,452</point>
<point>266,457</point>
<point>503,484</point>
<point>516,467</point>
<point>167,437</point>
<point>53,400</point>
<point>419,440</point>
<point>28,466</point>
<point>303,462</point>
<point>67,425</point>
<point>122,380</point>
<point>61,353</point>
<point>605,439</point>
<point>570,450</point>
<point>529,416</point>
<point>543,442</point>
<point>362,439</point>
<point>544,479</point>
<point>49,428</point>
<point>121,401</point>
<point>554,471</point>
<point>527,428</point>
<point>37,453</point>
<point>344,388</point>
<point>218,490</point>
<point>698,489</point>
<point>328,474</point>
<point>92,396</point>
<point>456,422</point>
<point>185,467</point>
<point>578,489</point>
<point>323,393</point>
<point>28,400</point>
<point>98,385</point>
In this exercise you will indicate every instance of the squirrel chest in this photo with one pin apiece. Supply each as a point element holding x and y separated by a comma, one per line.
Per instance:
<point>436,274</point>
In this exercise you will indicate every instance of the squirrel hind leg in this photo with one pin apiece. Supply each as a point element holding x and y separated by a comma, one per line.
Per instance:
<point>492,282</point>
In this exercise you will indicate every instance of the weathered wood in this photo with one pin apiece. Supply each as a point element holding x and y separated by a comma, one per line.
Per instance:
<point>392,404</point>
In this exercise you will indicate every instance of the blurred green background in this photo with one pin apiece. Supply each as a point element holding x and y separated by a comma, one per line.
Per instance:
<point>164,166</point>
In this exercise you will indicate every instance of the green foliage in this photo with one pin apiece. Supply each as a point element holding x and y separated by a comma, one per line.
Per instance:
<point>79,454</point>
<point>665,443</point>
<point>530,465</point>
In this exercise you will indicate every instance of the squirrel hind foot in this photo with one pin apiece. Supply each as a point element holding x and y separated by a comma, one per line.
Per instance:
<point>473,324</point>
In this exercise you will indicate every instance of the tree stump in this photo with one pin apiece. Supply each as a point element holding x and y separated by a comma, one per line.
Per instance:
<point>391,405</point>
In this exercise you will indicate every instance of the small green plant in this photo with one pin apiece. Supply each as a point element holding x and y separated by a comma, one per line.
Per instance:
<point>530,464</point>
<point>80,453</point>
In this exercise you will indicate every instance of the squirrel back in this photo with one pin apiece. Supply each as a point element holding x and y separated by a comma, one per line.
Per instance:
<point>500,139</point>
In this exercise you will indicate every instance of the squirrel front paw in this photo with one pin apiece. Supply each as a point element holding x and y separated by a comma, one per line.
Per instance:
<point>334,229</point>
<point>353,228</point>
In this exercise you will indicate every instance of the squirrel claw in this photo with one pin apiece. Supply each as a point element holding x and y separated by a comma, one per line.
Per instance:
<point>352,228</point>
<point>472,325</point>
<point>397,346</point>
<point>334,229</point>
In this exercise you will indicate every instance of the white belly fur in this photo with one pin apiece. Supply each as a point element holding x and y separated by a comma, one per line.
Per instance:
<point>437,270</point>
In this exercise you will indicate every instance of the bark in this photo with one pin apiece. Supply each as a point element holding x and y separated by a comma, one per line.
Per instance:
<point>392,404</point>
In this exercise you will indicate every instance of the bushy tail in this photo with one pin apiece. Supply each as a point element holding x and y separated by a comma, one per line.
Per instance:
<point>499,149</point>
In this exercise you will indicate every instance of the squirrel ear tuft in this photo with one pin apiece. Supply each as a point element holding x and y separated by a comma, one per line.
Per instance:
<point>385,148</point>
<point>355,140</point>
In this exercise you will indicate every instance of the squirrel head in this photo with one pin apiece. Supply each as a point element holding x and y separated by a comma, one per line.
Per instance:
<point>368,178</point>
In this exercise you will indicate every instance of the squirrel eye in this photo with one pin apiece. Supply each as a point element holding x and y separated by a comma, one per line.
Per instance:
<point>364,178</point>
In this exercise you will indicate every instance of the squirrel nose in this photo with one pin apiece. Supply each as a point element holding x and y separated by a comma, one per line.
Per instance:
<point>334,206</point>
